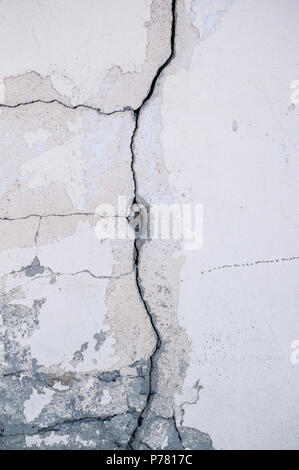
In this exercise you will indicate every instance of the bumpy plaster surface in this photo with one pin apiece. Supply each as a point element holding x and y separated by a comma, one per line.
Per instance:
<point>141,344</point>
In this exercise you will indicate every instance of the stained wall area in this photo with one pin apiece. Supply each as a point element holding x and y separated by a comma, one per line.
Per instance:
<point>109,110</point>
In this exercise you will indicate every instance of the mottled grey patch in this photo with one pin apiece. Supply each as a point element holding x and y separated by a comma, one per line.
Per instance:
<point>164,289</point>
<point>100,338</point>
<point>158,433</point>
<point>78,355</point>
<point>183,366</point>
<point>14,391</point>
<point>195,439</point>
<point>74,417</point>
<point>66,379</point>
<point>19,321</point>
<point>109,376</point>
<point>142,368</point>
<point>34,268</point>
<point>90,433</point>
<point>142,446</point>
<point>138,390</point>
<point>121,427</point>
<point>12,442</point>
<point>140,385</point>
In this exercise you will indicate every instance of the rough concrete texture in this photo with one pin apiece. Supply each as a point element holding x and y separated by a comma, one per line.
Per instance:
<point>126,343</point>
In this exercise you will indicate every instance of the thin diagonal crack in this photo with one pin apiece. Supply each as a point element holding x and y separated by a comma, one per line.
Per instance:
<point>41,216</point>
<point>138,241</point>
<point>78,106</point>
<point>250,264</point>
<point>83,271</point>
<point>56,426</point>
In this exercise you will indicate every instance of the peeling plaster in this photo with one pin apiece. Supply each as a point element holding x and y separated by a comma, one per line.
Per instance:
<point>140,344</point>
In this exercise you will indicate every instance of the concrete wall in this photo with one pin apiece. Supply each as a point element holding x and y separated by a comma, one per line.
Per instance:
<point>114,334</point>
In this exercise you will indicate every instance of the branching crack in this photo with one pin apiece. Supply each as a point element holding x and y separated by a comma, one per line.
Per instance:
<point>138,242</point>
<point>177,430</point>
<point>36,268</point>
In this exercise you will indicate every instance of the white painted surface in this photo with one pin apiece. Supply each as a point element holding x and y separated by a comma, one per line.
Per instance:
<point>36,403</point>
<point>241,320</point>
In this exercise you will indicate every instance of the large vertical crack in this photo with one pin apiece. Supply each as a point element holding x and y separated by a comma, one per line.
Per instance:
<point>138,242</point>
<point>136,201</point>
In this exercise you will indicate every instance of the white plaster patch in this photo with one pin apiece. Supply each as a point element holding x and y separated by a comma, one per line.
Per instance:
<point>50,440</point>
<point>13,259</point>
<point>106,397</point>
<point>209,14</point>
<point>65,165</point>
<point>33,137</point>
<point>85,443</point>
<point>73,312</point>
<point>78,252</point>
<point>36,403</point>
<point>239,312</point>
<point>61,388</point>
<point>73,328</point>
<point>2,92</point>
<point>17,245</point>
<point>75,125</point>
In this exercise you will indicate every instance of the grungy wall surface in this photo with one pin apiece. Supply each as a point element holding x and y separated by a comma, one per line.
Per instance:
<point>149,246</point>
